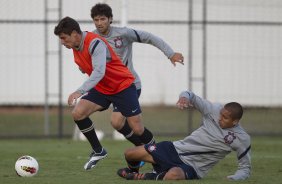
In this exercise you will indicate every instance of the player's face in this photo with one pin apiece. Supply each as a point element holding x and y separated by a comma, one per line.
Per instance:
<point>102,24</point>
<point>69,41</point>
<point>225,119</point>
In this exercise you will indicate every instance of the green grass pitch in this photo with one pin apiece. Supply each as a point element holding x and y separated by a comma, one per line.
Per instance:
<point>61,161</point>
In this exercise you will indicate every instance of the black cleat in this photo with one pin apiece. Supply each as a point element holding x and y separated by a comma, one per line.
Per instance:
<point>124,172</point>
<point>141,176</point>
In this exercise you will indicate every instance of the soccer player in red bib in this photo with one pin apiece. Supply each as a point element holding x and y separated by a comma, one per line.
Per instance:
<point>109,82</point>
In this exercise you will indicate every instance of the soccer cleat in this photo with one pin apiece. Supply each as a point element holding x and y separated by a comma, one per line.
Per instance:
<point>135,176</point>
<point>124,172</point>
<point>141,176</point>
<point>94,158</point>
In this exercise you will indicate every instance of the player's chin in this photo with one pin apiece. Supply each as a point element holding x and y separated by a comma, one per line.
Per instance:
<point>68,47</point>
<point>101,30</point>
<point>221,125</point>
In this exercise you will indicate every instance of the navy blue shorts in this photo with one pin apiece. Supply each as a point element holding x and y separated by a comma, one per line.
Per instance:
<point>126,101</point>
<point>166,157</point>
<point>115,109</point>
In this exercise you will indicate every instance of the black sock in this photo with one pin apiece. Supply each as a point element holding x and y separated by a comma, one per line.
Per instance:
<point>87,128</point>
<point>127,132</point>
<point>133,165</point>
<point>147,137</point>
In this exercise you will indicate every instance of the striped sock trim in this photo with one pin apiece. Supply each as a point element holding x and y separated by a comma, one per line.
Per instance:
<point>152,141</point>
<point>129,135</point>
<point>88,129</point>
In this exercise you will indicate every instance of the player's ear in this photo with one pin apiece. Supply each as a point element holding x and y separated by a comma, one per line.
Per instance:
<point>111,20</point>
<point>73,33</point>
<point>235,122</point>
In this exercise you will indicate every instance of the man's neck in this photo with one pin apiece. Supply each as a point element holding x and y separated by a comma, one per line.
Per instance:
<point>80,40</point>
<point>106,33</point>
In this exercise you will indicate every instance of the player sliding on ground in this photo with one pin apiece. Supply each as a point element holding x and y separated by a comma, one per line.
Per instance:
<point>191,158</point>
<point>109,82</point>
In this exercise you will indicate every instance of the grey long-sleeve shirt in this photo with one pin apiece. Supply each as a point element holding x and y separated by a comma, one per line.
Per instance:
<point>121,40</point>
<point>207,145</point>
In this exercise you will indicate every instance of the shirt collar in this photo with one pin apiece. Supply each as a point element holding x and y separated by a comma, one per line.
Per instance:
<point>80,47</point>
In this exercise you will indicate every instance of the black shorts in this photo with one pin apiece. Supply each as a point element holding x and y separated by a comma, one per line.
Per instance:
<point>115,108</point>
<point>126,101</point>
<point>166,157</point>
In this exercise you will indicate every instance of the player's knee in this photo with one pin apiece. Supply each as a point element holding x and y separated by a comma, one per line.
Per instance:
<point>175,173</point>
<point>117,124</point>
<point>117,120</point>
<point>77,114</point>
<point>136,124</point>
<point>138,130</point>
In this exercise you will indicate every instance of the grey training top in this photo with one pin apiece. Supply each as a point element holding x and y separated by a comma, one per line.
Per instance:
<point>121,40</point>
<point>207,145</point>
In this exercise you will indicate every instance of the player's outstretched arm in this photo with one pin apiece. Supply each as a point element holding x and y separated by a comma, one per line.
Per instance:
<point>244,164</point>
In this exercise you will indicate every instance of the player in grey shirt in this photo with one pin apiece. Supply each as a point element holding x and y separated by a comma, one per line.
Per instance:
<point>121,40</point>
<point>191,158</point>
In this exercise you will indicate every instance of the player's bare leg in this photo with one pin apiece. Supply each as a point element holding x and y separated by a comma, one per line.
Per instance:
<point>175,173</point>
<point>137,154</point>
<point>120,123</point>
<point>138,128</point>
<point>132,156</point>
<point>83,109</point>
<point>117,120</point>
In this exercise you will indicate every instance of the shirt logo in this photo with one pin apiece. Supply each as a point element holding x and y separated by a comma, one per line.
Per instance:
<point>152,148</point>
<point>229,138</point>
<point>118,42</point>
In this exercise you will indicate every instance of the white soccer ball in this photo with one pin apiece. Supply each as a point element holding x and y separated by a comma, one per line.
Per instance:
<point>26,166</point>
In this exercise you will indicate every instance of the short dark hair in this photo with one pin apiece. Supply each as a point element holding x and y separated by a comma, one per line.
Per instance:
<point>101,9</point>
<point>236,110</point>
<point>67,25</point>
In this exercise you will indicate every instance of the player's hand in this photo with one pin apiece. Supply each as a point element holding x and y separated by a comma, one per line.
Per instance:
<point>177,58</point>
<point>234,178</point>
<point>183,103</point>
<point>73,98</point>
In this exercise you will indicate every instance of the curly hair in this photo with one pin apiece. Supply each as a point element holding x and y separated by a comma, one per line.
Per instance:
<point>101,9</point>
